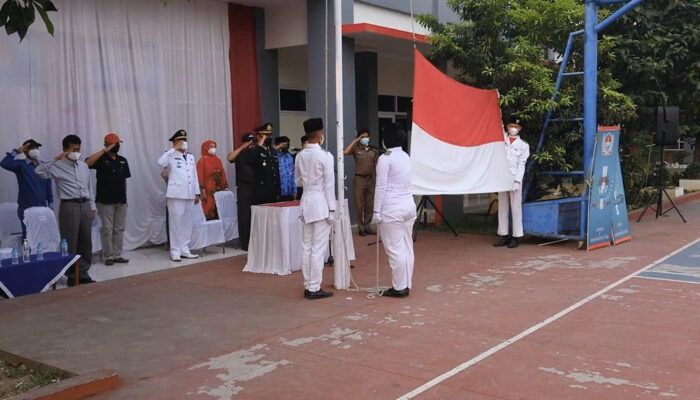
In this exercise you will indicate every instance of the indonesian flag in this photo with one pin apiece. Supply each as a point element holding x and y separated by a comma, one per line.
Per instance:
<point>457,142</point>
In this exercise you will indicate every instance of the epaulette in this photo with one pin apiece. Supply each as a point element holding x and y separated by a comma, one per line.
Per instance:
<point>386,153</point>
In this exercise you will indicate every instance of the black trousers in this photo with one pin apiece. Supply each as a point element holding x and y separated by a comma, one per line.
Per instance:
<point>244,200</point>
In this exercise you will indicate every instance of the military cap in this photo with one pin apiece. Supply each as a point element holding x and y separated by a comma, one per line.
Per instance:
<point>32,143</point>
<point>264,129</point>
<point>180,134</point>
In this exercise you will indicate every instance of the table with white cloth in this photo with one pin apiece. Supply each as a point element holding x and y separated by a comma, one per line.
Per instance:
<point>276,238</point>
<point>36,275</point>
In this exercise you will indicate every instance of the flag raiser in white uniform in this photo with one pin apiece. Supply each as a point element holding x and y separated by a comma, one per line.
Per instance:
<point>313,170</point>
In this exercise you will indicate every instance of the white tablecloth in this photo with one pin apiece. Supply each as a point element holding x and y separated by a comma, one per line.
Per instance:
<point>275,238</point>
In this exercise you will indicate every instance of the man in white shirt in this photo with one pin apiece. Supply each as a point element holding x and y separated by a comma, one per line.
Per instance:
<point>313,170</point>
<point>182,192</point>
<point>395,210</point>
<point>517,153</point>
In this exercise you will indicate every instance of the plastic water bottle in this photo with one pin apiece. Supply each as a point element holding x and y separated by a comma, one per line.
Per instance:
<point>15,255</point>
<point>40,251</point>
<point>26,251</point>
<point>64,247</point>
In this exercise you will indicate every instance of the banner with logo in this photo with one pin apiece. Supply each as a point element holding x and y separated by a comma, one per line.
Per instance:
<point>607,209</point>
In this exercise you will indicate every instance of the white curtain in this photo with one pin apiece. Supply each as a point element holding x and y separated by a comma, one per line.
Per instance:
<point>139,68</point>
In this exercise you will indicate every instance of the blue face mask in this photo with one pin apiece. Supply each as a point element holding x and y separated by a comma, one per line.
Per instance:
<point>364,141</point>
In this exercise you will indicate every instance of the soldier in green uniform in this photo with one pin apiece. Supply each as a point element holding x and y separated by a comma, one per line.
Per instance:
<point>363,183</point>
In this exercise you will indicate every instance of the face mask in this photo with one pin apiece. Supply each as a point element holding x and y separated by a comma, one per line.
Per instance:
<point>184,146</point>
<point>364,141</point>
<point>34,154</point>
<point>513,131</point>
<point>212,150</point>
<point>268,142</point>
<point>285,149</point>
<point>74,155</point>
<point>115,149</point>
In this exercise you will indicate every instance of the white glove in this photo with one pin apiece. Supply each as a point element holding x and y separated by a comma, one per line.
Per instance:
<point>516,186</point>
<point>376,218</point>
<point>331,218</point>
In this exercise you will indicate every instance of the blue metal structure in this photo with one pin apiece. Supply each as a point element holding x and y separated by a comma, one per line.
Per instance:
<point>568,218</point>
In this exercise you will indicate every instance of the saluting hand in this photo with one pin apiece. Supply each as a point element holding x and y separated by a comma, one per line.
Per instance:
<point>62,155</point>
<point>110,147</point>
<point>22,148</point>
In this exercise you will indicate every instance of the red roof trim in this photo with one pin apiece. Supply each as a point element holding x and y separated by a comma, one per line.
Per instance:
<point>382,30</point>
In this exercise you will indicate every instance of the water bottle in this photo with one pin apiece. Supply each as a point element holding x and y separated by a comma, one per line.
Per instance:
<point>26,251</point>
<point>64,247</point>
<point>15,255</point>
<point>40,251</point>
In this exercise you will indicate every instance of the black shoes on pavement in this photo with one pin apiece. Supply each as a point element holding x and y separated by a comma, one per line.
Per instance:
<point>319,294</point>
<point>507,241</point>
<point>396,293</point>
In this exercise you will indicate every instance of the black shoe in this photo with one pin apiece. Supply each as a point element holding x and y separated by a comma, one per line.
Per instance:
<point>370,232</point>
<point>319,294</point>
<point>503,241</point>
<point>109,262</point>
<point>121,260</point>
<point>513,243</point>
<point>363,233</point>
<point>396,293</point>
<point>85,281</point>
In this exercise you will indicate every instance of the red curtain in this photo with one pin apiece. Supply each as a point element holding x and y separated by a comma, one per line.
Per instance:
<point>245,95</point>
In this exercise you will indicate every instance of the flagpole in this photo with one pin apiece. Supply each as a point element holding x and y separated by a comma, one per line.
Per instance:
<point>341,265</point>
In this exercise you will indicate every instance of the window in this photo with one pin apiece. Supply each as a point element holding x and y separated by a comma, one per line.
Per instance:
<point>387,103</point>
<point>293,100</point>
<point>404,104</point>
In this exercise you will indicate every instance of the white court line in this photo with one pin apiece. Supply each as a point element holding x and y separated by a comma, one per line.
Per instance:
<point>454,371</point>
<point>667,280</point>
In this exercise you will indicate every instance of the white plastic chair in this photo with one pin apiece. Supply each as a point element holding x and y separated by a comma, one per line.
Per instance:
<point>205,233</point>
<point>10,227</point>
<point>42,227</point>
<point>228,214</point>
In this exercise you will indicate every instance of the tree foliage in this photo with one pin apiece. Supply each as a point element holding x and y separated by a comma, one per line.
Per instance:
<point>18,15</point>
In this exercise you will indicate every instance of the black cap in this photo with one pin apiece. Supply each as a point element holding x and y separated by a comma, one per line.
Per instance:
<point>264,129</point>
<point>281,139</point>
<point>32,143</point>
<point>394,136</point>
<point>313,125</point>
<point>248,137</point>
<point>514,121</point>
<point>180,134</point>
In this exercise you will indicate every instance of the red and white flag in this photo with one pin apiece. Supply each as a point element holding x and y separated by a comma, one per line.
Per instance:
<point>457,139</point>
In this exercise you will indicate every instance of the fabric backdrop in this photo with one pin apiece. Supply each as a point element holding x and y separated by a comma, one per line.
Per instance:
<point>457,143</point>
<point>135,67</point>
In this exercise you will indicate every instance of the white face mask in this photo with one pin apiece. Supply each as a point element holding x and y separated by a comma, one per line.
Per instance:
<point>74,155</point>
<point>364,141</point>
<point>212,150</point>
<point>513,131</point>
<point>184,146</point>
<point>34,154</point>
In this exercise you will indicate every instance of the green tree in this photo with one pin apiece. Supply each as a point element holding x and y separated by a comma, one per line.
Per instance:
<point>18,15</point>
<point>514,46</point>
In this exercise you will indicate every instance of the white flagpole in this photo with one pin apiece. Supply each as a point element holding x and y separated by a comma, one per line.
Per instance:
<point>341,265</point>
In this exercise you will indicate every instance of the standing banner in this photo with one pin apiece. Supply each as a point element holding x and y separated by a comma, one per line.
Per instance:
<point>607,209</point>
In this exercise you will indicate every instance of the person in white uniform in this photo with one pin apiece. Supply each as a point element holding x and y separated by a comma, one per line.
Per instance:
<point>182,192</point>
<point>517,153</point>
<point>313,171</point>
<point>395,211</point>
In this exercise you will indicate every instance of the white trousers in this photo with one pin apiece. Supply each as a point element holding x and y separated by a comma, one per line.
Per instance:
<point>180,226</point>
<point>314,244</point>
<point>510,201</point>
<point>396,231</point>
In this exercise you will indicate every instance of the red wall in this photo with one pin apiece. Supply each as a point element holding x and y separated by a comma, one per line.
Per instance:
<point>245,93</point>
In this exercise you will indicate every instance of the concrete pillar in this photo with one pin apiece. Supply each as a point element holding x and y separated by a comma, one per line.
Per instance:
<point>320,42</point>
<point>268,75</point>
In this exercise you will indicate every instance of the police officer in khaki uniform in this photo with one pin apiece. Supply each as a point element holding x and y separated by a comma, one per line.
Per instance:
<point>363,183</point>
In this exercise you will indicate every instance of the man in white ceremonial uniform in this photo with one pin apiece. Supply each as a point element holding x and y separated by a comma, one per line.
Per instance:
<point>517,153</point>
<point>395,211</point>
<point>313,171</point>
<point>182,192</point>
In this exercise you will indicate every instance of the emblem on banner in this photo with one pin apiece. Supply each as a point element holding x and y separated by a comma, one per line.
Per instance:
<point>608,142</point>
